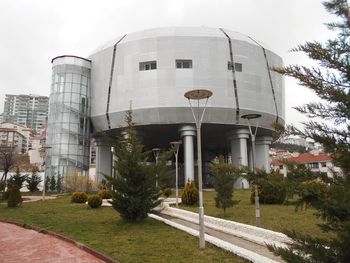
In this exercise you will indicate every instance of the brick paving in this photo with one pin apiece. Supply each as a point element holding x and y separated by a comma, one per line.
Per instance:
<point>18,244</point>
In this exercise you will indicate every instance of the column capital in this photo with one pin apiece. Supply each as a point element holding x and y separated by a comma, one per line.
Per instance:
<point>263,140</point>
<point>238,134</point>
<point>187,130</point>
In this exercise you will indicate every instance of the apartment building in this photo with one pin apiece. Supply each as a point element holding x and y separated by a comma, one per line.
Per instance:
<point>27,110</point>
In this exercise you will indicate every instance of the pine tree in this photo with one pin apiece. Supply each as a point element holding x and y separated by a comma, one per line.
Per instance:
<point>33,181</point>
<point>225,175</point>
<point>53,184</point>
<point>17,179</point>
<point>330,126</point>
<point>59,183</point>
<point>134,190</point>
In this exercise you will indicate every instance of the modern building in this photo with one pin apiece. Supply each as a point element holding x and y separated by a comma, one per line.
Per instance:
<point>28,110</point>
<point>150,71</point>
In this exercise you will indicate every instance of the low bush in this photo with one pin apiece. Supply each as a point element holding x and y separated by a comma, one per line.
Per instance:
<point>312,190</point>
<point>272,189</point>
<point>167,192</point>
<point>79,197</point>
<point>95,201</point>
<point>14,197</point>
<point>105,194</point>
<point>190,194</point>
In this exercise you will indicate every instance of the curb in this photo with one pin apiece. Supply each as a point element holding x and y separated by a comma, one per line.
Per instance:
<point>250,233</point>
<point>239,251</point>
<point>64,238</point>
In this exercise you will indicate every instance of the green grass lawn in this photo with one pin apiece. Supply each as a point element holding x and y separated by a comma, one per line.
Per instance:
<point>103,230</point>
<point>273,217</point>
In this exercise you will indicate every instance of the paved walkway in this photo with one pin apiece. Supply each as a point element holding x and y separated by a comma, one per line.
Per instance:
<point>238,241</point>
<point>34,198</point>
<point>243,240</point>
<point>18,244</point>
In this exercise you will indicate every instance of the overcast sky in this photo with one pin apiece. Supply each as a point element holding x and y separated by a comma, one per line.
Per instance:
<point>32,32</point>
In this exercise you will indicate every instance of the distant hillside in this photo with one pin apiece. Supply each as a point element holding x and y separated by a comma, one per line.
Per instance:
<point>289,147</point>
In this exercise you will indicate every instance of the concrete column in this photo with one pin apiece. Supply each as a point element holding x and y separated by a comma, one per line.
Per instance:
<point>262,152</point>
<point>238,142</point>
<point>103,160</point>
<point>187,133</point>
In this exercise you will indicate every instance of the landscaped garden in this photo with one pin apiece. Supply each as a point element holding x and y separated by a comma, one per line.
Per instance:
<point>274,217</point>
<point>150,240</point>
<point>103,229</point>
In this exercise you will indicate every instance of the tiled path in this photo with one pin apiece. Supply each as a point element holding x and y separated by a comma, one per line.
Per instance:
<point>18,244</point>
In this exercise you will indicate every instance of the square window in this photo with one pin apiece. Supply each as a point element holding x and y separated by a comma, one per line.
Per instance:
<point>148,65</point>
<point>183,63</point>
<point>238,66</point>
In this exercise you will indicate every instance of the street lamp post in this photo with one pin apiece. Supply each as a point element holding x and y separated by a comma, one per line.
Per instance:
<point>156,155</point>
<point>176,146</point>
<point>249,117</point>
<point>198,95</point>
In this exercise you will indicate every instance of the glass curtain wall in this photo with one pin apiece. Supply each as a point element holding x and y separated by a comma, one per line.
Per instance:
<point>68,123</point>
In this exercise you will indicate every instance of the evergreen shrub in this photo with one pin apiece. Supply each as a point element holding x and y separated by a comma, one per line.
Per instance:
<point>17,179</point>
<point>189,195</point>
<point>105,194</point>
<point>79,197</point>
<point>310,191</point>
<point>14,197</point>
<point>272,190</point>
<point>167,192</point>
<point>33,180</point>
<point>95,201</point>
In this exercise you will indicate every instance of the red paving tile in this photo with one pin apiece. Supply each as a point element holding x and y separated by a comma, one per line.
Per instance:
<point>18,244</point>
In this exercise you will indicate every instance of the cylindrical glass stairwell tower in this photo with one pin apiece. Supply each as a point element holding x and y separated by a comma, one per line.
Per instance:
<point>68,138</point>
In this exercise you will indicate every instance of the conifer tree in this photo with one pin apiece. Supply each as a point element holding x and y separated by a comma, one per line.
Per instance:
<point>59,184</point>
<point>17,179</point>
<point>53,183</point>
<point>225,175</point>
<point>330,126</point>
<point>134,188</point>
<point>33,181</point>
